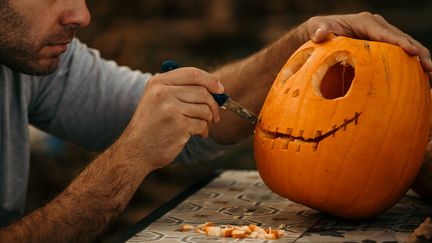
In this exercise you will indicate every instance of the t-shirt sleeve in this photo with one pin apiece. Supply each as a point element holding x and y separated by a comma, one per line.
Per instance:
<point>89,101</point>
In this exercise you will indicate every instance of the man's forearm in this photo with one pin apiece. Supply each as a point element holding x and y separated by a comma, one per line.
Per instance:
<point>248,82</point>
<point>96,197</point>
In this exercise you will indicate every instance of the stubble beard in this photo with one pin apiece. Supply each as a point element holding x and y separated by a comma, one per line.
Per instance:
<point>19,50</point>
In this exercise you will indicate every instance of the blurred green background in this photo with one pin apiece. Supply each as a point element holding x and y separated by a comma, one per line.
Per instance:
<point>206,34</point>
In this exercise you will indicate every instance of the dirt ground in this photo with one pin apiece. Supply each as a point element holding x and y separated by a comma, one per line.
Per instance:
<point>143,33</point>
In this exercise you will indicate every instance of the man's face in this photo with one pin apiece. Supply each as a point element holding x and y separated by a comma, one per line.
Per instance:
<point>34,34</point>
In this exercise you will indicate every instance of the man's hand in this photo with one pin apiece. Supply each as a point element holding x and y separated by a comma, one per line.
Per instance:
<point>175,105</point>
<point>365,26</point>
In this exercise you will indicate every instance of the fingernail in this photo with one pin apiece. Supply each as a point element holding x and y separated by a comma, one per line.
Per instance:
<point>318,34</point>
<point>315,35</point>
<point>221,87</point>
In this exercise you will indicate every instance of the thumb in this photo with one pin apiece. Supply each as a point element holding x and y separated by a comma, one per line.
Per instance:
<point>320,33</point>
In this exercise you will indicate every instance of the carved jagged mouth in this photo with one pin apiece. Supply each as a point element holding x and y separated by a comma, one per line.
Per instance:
<point>318,136</point>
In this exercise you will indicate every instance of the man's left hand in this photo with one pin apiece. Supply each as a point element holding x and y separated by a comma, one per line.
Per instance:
<point>365,26</point>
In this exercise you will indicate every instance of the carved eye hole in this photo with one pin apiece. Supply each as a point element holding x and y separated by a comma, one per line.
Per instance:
<point>337,81</point>
<point>296,63</point>
<point>334,78</point>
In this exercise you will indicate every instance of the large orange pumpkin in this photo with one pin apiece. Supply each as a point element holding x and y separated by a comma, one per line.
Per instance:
<point>344,127</point>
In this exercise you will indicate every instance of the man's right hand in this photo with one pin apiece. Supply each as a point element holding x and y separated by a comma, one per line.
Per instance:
<point>175,105</point>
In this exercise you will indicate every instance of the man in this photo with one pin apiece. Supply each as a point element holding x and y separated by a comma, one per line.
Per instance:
<point>143,122</point>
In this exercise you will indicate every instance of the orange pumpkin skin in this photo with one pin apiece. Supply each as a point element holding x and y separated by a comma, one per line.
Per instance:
<point>344,127</point>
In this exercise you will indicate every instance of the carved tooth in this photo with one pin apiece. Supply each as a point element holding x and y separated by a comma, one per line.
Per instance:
<point>301,132</point>
<point>298,147</point>
<point>272,145</point>
<point>345,123</point>
<point>286,143</point>
<point>356,116</point>
<point>268,128</point>
<point>315,146</point>
<point>288,131</point>
<point>334,127</point>
<point>318,133</point>
<point>277,129</point>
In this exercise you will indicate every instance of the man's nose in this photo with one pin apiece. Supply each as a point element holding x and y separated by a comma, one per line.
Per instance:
<point>76,13</point>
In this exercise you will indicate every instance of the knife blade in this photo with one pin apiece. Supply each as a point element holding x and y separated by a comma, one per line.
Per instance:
<point>223,100</point>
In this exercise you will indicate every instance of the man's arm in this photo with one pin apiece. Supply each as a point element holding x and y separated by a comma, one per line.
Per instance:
<point>248,81</point>
<point>96,197</point>
<point>174,106</point>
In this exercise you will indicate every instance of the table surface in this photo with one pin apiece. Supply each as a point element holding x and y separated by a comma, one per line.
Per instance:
<point>242,198</point>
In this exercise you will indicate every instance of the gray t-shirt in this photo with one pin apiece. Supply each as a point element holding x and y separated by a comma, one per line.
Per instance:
<point>88,100</point>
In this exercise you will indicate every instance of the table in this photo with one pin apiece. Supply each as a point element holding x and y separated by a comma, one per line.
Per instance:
<point>242,198</point>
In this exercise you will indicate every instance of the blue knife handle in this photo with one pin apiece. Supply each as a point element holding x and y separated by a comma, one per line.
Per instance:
<point>169,65</point>
<point>220,98</point>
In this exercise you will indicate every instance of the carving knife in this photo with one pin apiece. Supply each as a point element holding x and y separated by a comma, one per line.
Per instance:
<point>223,100</point>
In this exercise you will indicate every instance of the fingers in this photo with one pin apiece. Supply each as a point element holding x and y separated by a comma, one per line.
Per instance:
<point>186,92</point>
<point>198,127</point>
<point>174,106</point>
<point>425,58</point>
<point>193,76</point>
<point>393,35</point>
<point>163,88</point>
<point>367,26</point>
<point>198,95</point>
<point>197,111</point>
<point>198,116</point>
<point>319,28</point>
<point>320,34</point>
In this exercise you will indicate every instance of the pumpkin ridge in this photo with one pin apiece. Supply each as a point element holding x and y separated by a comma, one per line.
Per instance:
<point>391,198</point>
<point>405,172</point>
<point>360,191</point>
